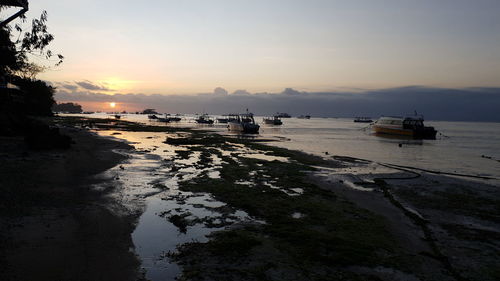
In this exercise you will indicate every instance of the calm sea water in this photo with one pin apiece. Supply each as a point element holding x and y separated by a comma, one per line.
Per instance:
<point>460,147</point>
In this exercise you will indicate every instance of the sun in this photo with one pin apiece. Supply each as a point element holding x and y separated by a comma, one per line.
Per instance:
<point>112,104</point>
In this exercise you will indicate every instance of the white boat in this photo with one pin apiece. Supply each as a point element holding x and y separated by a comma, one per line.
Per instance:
<point>274,120</point>
<point>244,123</point>
<point>404,126</point>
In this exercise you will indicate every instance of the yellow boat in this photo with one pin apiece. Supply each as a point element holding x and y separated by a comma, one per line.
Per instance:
<point>408,127</point>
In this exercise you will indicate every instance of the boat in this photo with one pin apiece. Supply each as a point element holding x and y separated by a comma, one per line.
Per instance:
<point>204,119</point>
<point>171,118</point>
<point>162,119</point>
<point>274,120</point>
<point>304,117</point>
<point>117,116</point>
<point>222,120</point>
<point>152,117</point>
<point>244,123</point>
<point>283,115</point>
<point>361,119</point>
<point>226,118</point>
<point>404,126</point>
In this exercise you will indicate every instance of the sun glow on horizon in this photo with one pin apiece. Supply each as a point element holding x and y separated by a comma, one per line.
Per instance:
<point>112,104</point>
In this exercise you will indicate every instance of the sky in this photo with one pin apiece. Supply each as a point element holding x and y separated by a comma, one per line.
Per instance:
<point>188,47</point>
<point>192,46</point>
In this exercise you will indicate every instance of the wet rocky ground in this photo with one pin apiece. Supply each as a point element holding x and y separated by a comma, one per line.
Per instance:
<point>212,207</point>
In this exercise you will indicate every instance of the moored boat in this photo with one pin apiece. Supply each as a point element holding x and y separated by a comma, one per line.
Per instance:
<point>274,120</point>
<point>304,117</point>
<point>283,115</point>
<point>361,119</point>
<point>226,118</point>
<point>204,119</point>
<point>244,123</point>
<point>171,118</point>
<point>409,127</point>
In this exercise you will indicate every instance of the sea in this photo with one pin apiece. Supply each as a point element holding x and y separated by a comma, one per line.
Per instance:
<point>470,148</point>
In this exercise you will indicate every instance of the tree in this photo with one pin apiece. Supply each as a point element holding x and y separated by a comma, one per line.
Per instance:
<point>68,107</point>
<point>34,42</point>
<point>17,68</point>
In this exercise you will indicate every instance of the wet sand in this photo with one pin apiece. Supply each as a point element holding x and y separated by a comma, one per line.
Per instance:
<point>53,225</point>
<point>209,207</point>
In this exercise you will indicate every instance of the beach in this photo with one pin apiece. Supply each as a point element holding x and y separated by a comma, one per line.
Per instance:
<point>132,201</point>
<point>54,225</point>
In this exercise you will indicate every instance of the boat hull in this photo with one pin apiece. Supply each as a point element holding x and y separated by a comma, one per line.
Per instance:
<point>246,128</point>
<point>422,133</point>
<point>272,122</point>
<point>392,131</point>
<point>205,121</point>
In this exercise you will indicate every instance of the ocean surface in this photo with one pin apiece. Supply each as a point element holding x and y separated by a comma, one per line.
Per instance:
<point>460,147</point>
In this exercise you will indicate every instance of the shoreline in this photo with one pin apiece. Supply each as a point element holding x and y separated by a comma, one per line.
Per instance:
<point>53,225</point>
<point>369,236</point>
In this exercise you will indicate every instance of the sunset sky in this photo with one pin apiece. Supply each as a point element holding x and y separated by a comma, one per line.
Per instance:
<point>188,47</point>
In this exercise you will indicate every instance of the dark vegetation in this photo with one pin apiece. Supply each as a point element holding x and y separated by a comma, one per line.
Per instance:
<point>329,235</point>
<point>149,111</point>
<point>23,98</point>
<point>68,107</point>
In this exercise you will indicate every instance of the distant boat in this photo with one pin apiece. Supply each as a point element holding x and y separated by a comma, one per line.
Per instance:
<point>363,120</point>
<point>274,120</point>
<point>304,117</point>
<point>222,120</point>
<point>117,116</point>
<point>244,123</point>
<point>283,115</point>
<point>204,119</point>
<point>400,126</point>
<point>162,119</point>
<point>226,118</point>
<point>152,117</point>
<point>172,118</point>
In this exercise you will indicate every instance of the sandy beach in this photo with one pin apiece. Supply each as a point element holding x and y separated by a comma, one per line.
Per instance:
<point>270,213</point>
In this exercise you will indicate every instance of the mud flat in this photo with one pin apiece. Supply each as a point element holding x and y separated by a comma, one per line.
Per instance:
<point>195,205</point>
<point>53,224</point>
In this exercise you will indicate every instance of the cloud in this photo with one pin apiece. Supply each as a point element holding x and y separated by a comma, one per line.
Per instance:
<point>468,104</point>
<point>88,85</point>
<point>220,91</point>
<point>67,85</point>
<point>291,92</point>
<point>241,92</point>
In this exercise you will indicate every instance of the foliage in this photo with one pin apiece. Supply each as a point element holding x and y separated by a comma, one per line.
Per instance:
<point>8,59</point>
<point>15,58</point>
<point>38,96</point>
<point>67,107</point>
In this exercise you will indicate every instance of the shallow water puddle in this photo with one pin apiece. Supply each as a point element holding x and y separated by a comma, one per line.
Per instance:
<point>266,157</point>
<point>149,181</point>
